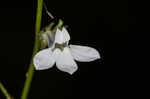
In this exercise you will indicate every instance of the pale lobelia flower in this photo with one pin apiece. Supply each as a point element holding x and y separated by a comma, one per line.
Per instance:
<point>64,55</point>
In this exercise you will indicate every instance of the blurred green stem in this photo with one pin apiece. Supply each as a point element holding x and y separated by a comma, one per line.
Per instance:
<point>4,91</point>
<point>30,72</point>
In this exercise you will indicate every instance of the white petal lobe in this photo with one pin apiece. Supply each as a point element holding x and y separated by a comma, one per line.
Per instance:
<point>59,37</point>
<point>43,59</point>
<point>65,62</point>
<point>84,53</point>
<point>66,36</point>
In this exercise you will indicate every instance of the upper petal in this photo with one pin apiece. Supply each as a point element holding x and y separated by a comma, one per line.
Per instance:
<point>65,34</point>
<point>43,59</point>
<point>84,53</point>
<point>59,36</point>
<point>65,62</point>
<point>62,36</point>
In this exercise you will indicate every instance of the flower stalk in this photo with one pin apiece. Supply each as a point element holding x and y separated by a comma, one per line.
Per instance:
<point>4,91</point>
<point>35,50</point>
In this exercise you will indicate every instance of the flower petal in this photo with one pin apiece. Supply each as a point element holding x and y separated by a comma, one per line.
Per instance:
<point>43,59</point>
<point>65,34</point>
<point>65,62</point>
<point>62,36</point>
<point>59,36</point>
<point>56,53</point>
<point>84,53</point>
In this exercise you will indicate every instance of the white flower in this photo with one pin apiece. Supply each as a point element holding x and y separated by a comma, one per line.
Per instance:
<point>64,55</point>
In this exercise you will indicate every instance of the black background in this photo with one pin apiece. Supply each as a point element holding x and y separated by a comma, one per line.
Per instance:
<point>124,23</point>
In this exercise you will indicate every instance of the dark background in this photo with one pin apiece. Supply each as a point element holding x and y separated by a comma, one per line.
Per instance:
<point>124,23</point>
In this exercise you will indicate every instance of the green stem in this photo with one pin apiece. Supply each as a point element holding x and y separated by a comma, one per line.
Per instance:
<point>30,72</point>
<point>3,89</point>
